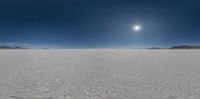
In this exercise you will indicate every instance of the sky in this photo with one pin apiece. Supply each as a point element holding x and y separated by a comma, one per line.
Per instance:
<point>100,23</point>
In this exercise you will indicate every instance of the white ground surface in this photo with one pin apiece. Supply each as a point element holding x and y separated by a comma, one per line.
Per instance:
<point>100,74</point>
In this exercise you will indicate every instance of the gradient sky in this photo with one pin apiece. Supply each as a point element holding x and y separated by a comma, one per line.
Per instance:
<point>100,23</point>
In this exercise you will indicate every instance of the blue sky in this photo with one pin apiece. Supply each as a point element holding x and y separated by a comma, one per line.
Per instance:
<point>100,23</point>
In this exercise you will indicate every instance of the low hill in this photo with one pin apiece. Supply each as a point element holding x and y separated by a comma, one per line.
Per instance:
<point>10,47</point>
<point>186,47</point>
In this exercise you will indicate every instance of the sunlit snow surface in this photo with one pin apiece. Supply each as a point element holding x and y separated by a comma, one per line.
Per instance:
<point>100,74</point>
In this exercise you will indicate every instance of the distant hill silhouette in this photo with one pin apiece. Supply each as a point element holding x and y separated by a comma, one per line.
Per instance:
<point>179,47</point>
<point>11,47</point>
<point>186,47</point>
<point>155,48</point>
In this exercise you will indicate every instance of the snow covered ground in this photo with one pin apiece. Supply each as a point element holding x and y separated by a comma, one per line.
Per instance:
<point>100,74</point>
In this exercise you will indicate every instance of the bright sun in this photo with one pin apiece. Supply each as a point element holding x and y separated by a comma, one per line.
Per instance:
<point>137,28</point>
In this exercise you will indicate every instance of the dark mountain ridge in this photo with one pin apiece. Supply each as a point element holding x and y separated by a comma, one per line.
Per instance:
<point>11,47</point>
<point>186,47</point>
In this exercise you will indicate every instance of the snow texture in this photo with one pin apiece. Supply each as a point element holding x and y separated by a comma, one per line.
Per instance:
<point>99,74</point>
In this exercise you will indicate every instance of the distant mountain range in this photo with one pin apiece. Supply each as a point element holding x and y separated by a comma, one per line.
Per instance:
<point>25,46</point>
<point>10,47</point>
<point>29,46</point>
<point>186,47</point>
<point>180,47</point>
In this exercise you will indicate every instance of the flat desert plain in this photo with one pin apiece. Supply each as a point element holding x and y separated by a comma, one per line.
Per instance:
<point>99,74</point>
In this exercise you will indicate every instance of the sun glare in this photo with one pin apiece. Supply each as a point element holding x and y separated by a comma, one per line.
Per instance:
<point>137,28</point>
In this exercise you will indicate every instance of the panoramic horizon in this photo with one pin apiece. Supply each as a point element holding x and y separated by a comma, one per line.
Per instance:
<point>99,49</point>
<point>100,23</point>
